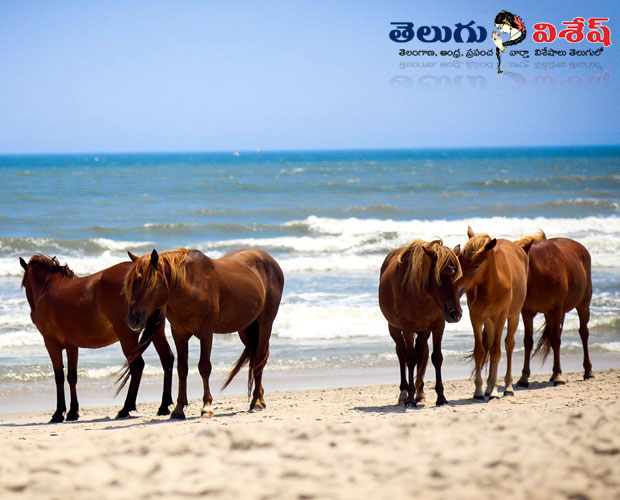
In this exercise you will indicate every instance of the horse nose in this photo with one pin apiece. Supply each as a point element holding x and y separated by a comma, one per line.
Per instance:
<point>454,315</point>
<point>135,321</point>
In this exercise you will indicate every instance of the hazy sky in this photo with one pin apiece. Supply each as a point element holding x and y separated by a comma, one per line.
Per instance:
<point>88,76</point>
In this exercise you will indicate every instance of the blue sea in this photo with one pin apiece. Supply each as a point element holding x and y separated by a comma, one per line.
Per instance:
<point>328,217</point>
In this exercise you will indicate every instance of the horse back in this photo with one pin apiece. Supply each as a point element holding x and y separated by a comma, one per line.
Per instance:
<point>79,311</point>
<point>559,275</point>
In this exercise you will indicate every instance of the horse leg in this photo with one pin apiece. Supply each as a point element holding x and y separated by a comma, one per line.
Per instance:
<point>494,335</point>
<point>136,367</point>
<point>167,363</point>
<point>397,336</point>
<point>182,370</point>
<point>556,320</point>
<point>411,362</point>
<point>421,351</point>
<point>204,367</point>
<point>437,359</point>
<point>528,344</point>
<point>72,376</point>
<point>583,310</point>
<point>509,344</point>
<point>479,355</point>
<point>55,352</point>
<point>265,324</point>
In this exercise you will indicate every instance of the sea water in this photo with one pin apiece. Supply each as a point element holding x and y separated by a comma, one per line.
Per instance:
<point>328,217</point>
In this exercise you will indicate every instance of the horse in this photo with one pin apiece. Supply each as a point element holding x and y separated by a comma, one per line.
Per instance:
<point>74,312</point>
<point>559,279</point>
<point>201,296</point>
<point>495,281</point>
<point>417,294</point>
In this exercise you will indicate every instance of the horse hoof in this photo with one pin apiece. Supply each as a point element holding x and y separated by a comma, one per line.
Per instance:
<point>163,410</point>
<point>509,393</point>
<point>177,416</point>
<point>479,398</point>
<point>441,402</point>
<point>122,414</point>
<point>558,382</point>
<point>523,384</point>
<point>409,405</point>
<point>72,416</point>
<point>491,396</point>
<point>588,376</point>
<point>206,413</point>
<point>256,407</point>
<point>57,418</point>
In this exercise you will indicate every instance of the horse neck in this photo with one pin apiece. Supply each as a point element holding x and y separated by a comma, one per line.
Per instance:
<point>41,280</point>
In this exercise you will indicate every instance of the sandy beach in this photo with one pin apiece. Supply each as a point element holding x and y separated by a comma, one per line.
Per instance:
<point>338,443</point>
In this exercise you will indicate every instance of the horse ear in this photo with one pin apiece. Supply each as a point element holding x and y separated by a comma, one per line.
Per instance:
<point>470,232</point>
<point>491,244</point>
<point>527,246</point>
<point>132,256</point>
<point>24,264</point>
<point>457,250</point>
<point>431,253</point>
<point>154,258</point>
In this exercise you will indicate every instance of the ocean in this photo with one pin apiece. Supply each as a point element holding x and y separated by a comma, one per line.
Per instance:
<point>328,217</point>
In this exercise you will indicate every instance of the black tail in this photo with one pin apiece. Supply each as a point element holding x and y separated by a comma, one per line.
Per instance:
<point>153,324</point>
<point>248,354</point>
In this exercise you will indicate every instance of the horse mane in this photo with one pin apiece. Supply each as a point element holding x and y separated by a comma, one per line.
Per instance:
<point>527,241</point>
<point>419,264</point>
<point>50,264</point>
<point>170,264</point>
<point>475,245</point>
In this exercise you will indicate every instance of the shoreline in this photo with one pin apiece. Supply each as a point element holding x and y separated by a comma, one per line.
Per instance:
<point>545,442</point>
<point>41,396</point>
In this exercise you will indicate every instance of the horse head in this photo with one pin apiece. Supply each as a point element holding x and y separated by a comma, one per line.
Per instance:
<point>443,289</point>
<point>474,259</point>
<point>146,289</point>
<point>36,273</point>
<point>434,268</point>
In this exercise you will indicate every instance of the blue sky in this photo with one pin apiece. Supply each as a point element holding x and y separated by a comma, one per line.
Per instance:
<point>121,76</point>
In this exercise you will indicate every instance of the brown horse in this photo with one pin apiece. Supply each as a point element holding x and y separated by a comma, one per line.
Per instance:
<point>202,296</point>
<point>559,279</point>
<point>88,312</point>
<point>417,294</point>
<point>495,280</point>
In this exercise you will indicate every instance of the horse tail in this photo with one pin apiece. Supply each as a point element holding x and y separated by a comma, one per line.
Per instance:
<point>487,353</point>
<point>248,354</point>
<point>153,324</point>
<point>543,347</point>
<point>527,241</point>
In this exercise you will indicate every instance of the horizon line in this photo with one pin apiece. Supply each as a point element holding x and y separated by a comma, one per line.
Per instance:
<point>310,150</point>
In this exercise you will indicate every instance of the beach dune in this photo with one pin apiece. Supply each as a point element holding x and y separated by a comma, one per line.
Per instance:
<point>545,442</point>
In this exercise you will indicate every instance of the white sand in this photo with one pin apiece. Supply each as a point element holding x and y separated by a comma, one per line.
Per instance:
<point>545,442</point>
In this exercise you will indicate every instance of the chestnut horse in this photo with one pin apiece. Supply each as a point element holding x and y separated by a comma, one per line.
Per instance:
<point>88,312</point>
<point>495,281</point>
<point>417,294</point>
<point>559,279</point>
<point>202,296</point>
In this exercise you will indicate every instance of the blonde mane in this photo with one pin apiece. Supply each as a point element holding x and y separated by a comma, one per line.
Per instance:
<point>419,264</point>
<point>527,241</point>
<point>475,245</point>
<point>170,267</point>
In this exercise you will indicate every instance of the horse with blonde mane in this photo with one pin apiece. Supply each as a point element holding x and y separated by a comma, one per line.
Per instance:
<point>89,312</point>
<point>200,296</point>
<point>495,281</point>
<point>559,279</point>
<point>417,295</point>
